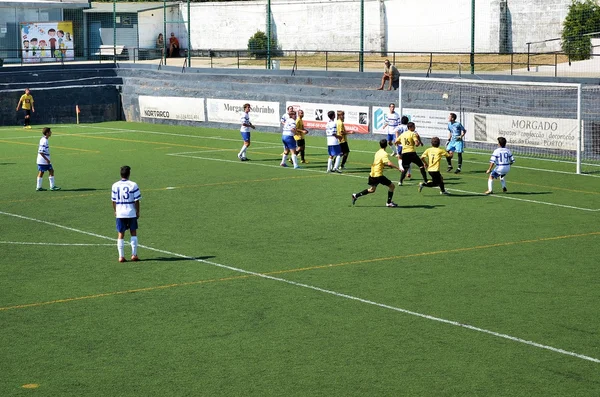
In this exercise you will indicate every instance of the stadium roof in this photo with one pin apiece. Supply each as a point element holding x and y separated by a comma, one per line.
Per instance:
<point>126,7</point>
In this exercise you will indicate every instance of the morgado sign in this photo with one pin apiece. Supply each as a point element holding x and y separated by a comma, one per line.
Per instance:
<point>230,111</point>
<point>172,108</point>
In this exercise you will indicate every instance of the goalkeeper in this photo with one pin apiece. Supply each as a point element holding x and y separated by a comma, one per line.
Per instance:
<point>456,135</point>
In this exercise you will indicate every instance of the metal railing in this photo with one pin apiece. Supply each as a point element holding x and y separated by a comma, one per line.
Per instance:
<point>426,62</point>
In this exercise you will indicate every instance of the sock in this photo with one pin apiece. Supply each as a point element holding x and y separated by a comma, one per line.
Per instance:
<point>39,183</point>
<point>449,161</point>
<point>503,182</point>
<point>294,159</point>
<point>408,169</point>
<point>403,175</point>
<point>423,174</point>
<point>329,162</point>
<point>459,160</point>
<point>363,193</point>
<point>490,181</point>
<point>134,245</point>
<point>51,179</point>
<point>337,162</point>
<point>390,195</point>
<point>121,247</point>
<point>243,151</point>
<point>302,154</point>
<point>344,158</point>
<point>442,188</point>
<point>283,158</point>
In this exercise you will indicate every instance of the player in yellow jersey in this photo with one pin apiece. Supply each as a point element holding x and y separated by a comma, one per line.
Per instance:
<point>26,103</point>
<point>432,157</point>
<point>341,130</point>
<point>299,137</point>
<point>410,140</point>
<point>376,176</point>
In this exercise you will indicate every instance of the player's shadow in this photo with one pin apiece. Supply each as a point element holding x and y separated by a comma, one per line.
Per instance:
<point>82,189</point>
<point>177,258</point>
<point>422,206</point>
<point>525,193</point>
<point>356,170</point>
<point>8,163</point>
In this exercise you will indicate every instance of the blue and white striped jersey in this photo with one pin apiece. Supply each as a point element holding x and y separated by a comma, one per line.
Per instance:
<point>45,149</point>
<point>331,132</point>
<point>502,157</point>
<point>392,119</point>
<point>125,193</point>
<point>289,128</point>
<point>245,119</point>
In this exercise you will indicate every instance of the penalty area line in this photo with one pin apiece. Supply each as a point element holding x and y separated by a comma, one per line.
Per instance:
<point>330,292</point>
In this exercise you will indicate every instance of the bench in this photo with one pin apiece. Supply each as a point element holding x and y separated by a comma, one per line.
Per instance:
<point>110,51</point>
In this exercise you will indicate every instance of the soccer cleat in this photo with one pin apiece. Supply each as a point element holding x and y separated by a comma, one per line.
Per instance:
<point>28,127</point>
<point>290,160</point>
<point>457,171</point>
<point>354,198</point>
<point>504,190</point>
<point>134,258</point>
<point>408,176</point>
<point>40,189</point>
<point>449,168</point>
<point>122,259</point>
<point>338,170</point>
<point>240,157</point>
<point>328,170</point>
<point>304,162</point>
<point>445,193</point>
<point>487,192</point>
<point>245,159</point>
<point>54,188</point>
<point>283,164</point>
<point>297,167</point>
<point>391,204</point>
<point>400,183</point>
<point>420,187</point>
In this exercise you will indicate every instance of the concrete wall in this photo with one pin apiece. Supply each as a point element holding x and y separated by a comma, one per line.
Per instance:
<point>395,25</point>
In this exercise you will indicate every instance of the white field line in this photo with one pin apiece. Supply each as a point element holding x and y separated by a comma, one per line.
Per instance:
<point>356,151</point>
<point>503,196</point>
<point>221,150</point>
<point>59,135</point>
<point>508,197</point>
<point>56,244</point>
<point>326,291</point>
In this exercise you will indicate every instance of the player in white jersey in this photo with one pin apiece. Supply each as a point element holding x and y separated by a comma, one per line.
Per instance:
<point>126,198</point>
<point>245,132</point>
<point>287,138</point>
<point>333,144</point>
<point>501,160</point>
<point>43,161</point>
<point>392,120</point>
<point>284,118</point>
<point>402,127</point>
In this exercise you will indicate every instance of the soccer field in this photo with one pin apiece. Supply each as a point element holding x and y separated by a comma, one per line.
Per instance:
<point>259,280</point>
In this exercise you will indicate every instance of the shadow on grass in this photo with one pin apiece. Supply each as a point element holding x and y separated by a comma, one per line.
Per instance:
<point>423,206</point>
<point>176,258</point>
<point>83,189</point>
<point>8,163</point>
<point>525,193</point>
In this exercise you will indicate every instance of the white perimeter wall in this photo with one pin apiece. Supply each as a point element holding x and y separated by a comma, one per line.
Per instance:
<point>392,25</point>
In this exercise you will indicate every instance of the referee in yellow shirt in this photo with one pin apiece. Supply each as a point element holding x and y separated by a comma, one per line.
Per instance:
<point>26,103</point>
<point>376,176</point>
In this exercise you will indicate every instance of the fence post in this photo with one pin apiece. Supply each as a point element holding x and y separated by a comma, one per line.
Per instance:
<point>528,50</point>
<point>326,62</point>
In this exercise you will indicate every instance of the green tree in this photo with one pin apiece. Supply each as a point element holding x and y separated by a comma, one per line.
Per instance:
<point>583,18</point>
<point>257,45</point>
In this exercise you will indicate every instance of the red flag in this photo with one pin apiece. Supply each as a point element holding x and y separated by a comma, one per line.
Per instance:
<point>77,109</point>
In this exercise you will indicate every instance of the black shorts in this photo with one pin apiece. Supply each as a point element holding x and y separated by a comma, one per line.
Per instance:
<point>379,180</point>
<point>300,142</point>
<point>411,157</point>
<point>436,177</point>
<point>345,148</point>
<point>27,112</point>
